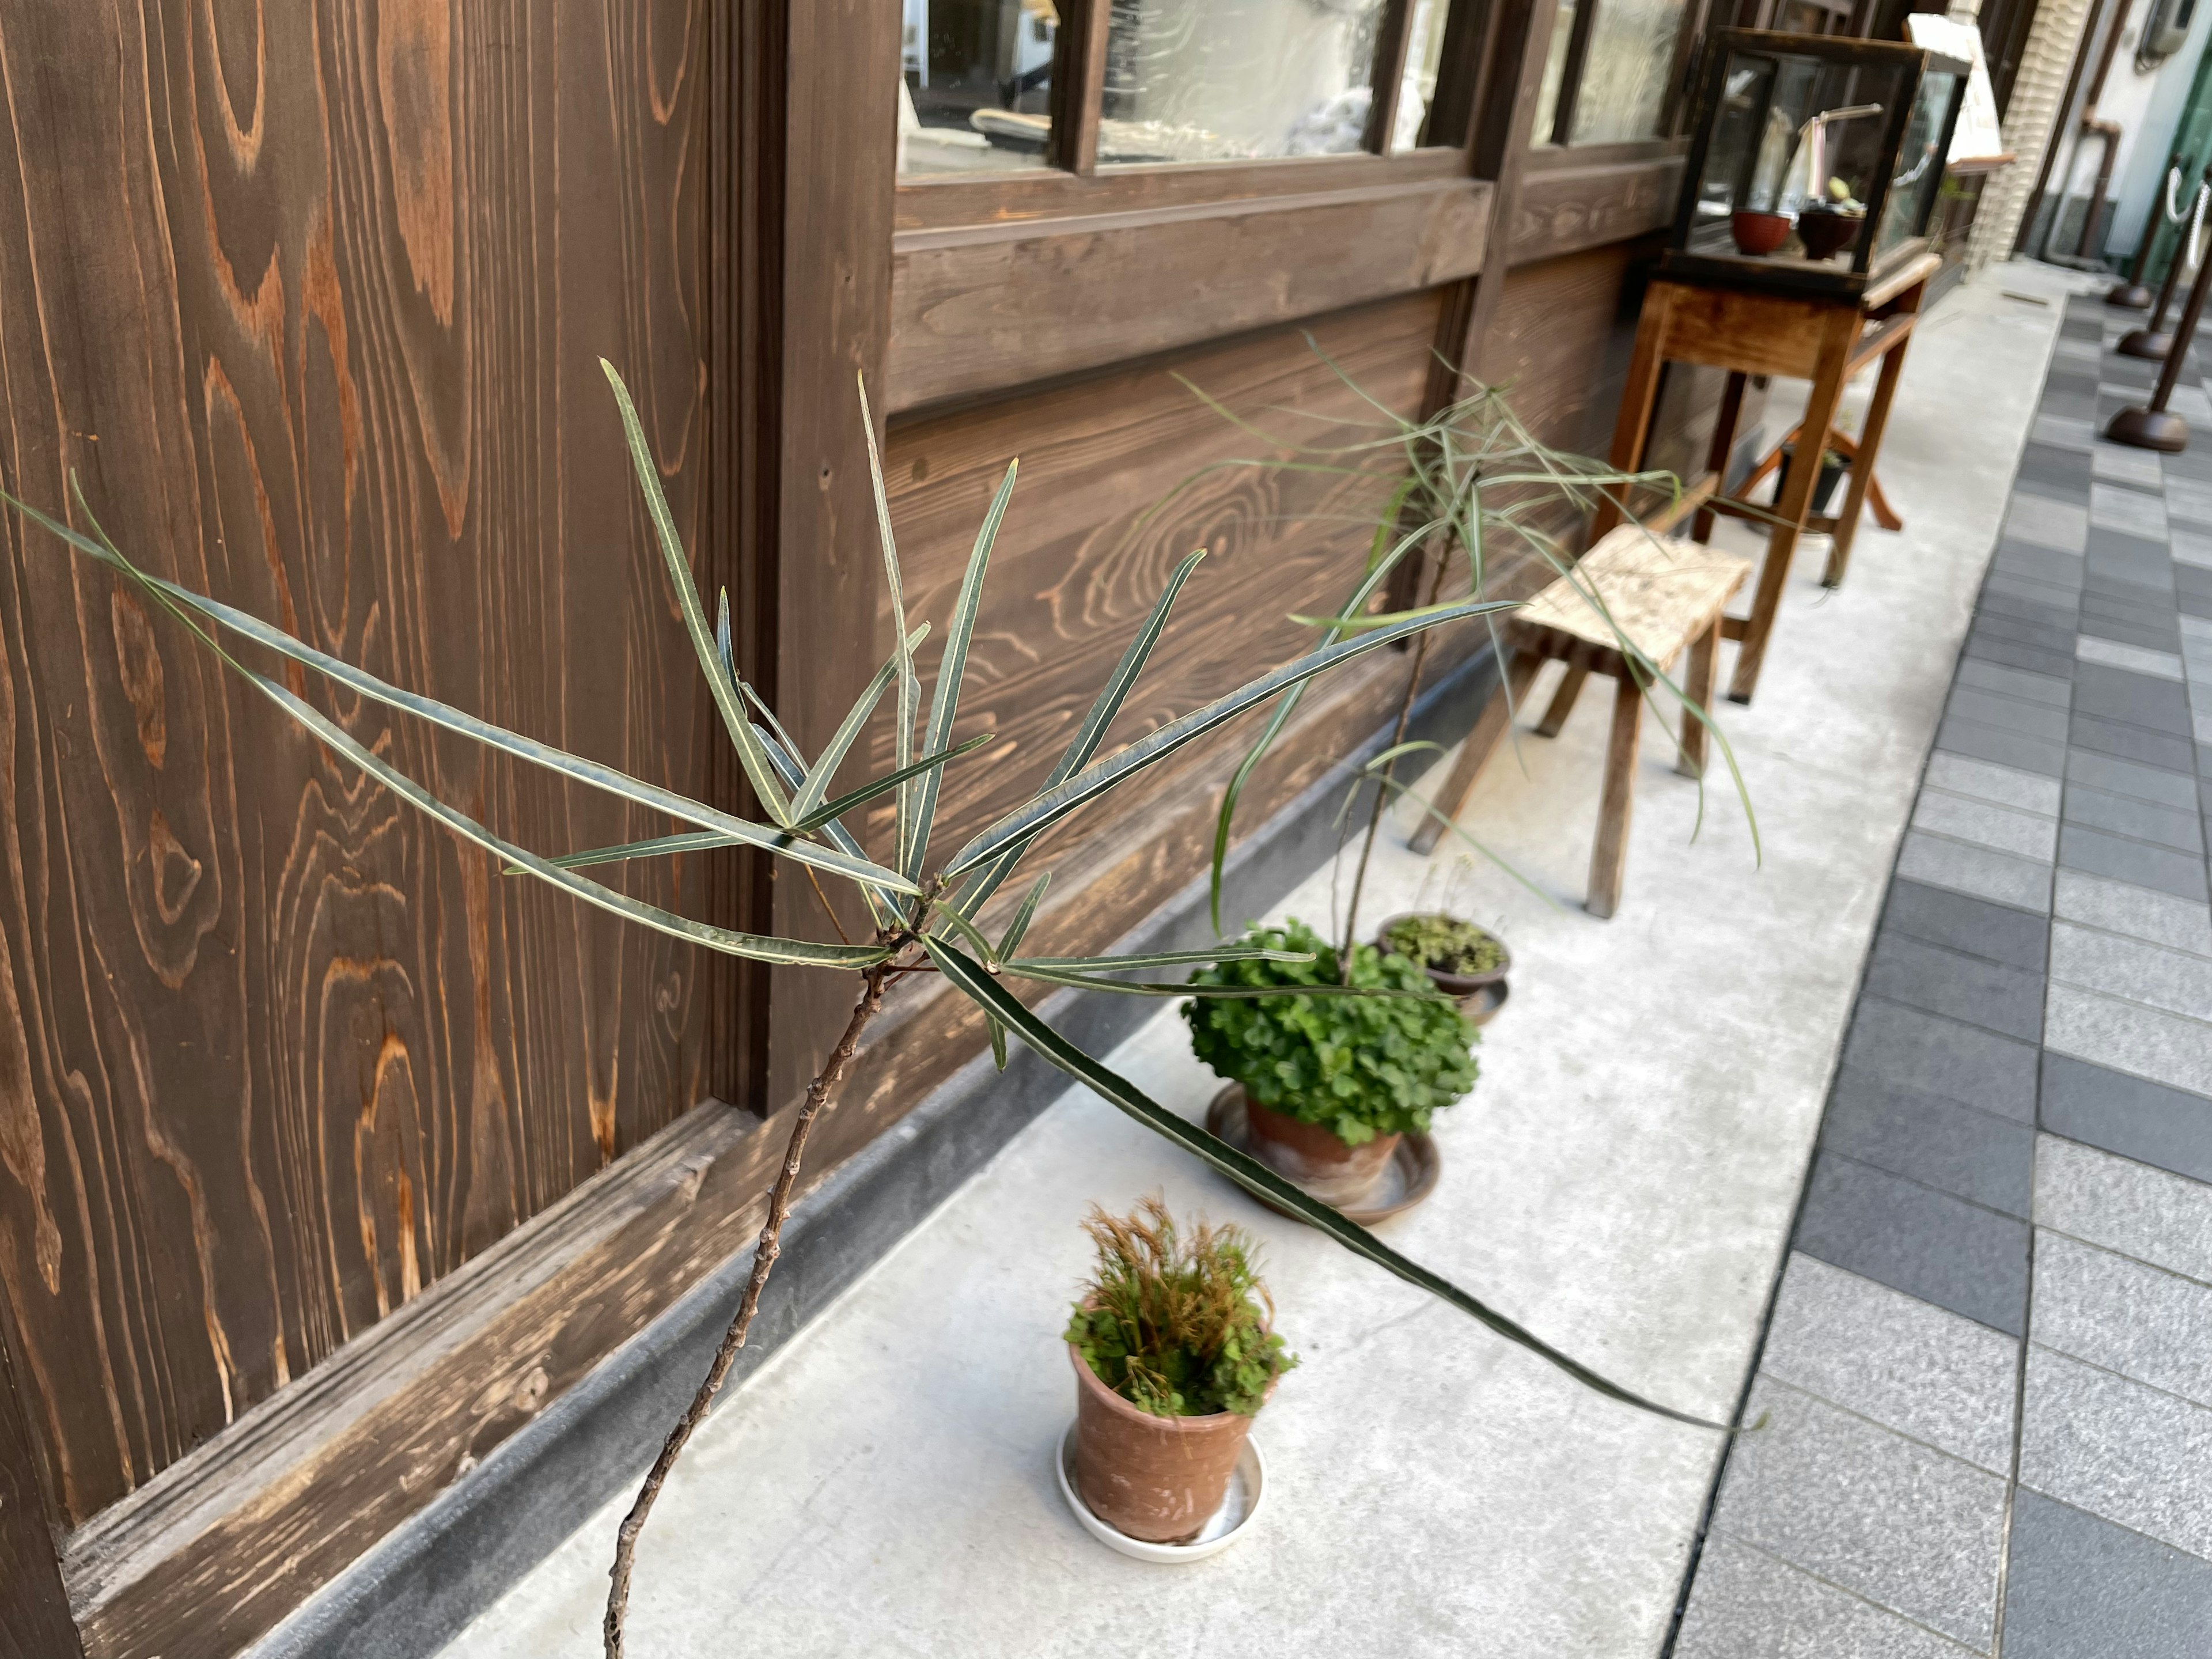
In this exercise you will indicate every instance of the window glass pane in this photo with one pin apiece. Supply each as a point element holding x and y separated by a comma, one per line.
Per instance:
<point>1424,52</point>
<point>1631,55</point>
<point>1555,69</point>
<point>1236,80</point>
<point>976,93</point>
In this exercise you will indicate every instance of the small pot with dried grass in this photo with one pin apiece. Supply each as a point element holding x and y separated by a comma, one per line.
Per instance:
<point>1176,1352</point>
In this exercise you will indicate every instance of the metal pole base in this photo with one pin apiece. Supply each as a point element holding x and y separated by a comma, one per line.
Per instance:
<point>2149,429</point>
<point>2129,296</point>
<point>2142,343</point>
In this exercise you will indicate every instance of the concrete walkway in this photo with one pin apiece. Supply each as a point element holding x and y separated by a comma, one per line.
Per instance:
<point>1990,1367</point>
<point>1623,1179</point>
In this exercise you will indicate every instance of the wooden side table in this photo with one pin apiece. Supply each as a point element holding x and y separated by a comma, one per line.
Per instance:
<point>1827,339</point>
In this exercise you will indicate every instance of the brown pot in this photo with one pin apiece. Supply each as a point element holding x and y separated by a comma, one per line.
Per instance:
<point>1471,991</point>
<point>1159,1479</point>
<point>1317,1160</point>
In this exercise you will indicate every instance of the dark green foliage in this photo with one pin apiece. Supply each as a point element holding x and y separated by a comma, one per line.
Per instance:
<point>1174,1325</point>
<point>1446,943</point>
<point>1359,1066</point>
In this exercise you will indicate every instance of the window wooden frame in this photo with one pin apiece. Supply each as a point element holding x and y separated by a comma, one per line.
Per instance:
<point>1556,144</point>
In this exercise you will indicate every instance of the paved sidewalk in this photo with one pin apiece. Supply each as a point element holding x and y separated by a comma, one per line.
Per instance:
<point>1989,1369</point>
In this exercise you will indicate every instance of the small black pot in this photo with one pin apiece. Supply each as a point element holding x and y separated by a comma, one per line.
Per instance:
<point>1825,487</point>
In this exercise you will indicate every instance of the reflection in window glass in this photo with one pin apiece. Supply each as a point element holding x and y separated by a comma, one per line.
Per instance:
<point>1555,70</point>
<point>976,93</point>
<point>1622,94</point>
<point>1424,52</point>
<point>1236,80</point>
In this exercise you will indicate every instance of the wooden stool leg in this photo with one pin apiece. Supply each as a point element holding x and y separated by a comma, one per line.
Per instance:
<point>1862,455</point>
<point>1836,336</point>
<point>1563,701</point>
<point>1704,650</point>
<point>1632,426</point>
<point>1609,854</point>
<point>1723,445</point>
<point>1489,726</point>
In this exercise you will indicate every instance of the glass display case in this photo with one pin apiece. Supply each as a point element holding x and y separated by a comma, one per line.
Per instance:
<point>1815,162</point>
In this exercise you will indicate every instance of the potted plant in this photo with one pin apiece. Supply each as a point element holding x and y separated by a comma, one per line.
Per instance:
<point>1464,960</point>
<point>1329,1084</point>
<point>1174,1351</point>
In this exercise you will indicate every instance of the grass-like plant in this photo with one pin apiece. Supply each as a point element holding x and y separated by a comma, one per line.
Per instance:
<point>925,907</point>
<point>1178,1324</point>
<point>1358,1067</point>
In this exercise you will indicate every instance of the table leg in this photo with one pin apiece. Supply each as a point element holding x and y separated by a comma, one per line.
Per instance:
<point>1862,458</point>
<point>1723,445</point>
<point>1631,428</point>
<point>1563,701</point>
<point>1609,854</point>
<point>1836,336</point>
<point>1705,650</point>
<point>1489,726</point>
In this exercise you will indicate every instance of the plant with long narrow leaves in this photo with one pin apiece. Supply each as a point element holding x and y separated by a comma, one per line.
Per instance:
<point>1471,479</point>
<point>926,915</point>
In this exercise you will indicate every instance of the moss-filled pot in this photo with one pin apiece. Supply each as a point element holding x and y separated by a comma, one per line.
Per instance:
<point>1159,1479</point>
<point>1480,993</point>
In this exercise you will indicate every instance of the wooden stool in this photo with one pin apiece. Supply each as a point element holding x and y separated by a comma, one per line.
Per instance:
<point>1663,594</point>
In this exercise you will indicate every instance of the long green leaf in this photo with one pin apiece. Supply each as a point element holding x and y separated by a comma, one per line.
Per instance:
<point>1258,1179</point>
<point>750,755</point>
<point>910,687</point>
<point>575,767</point>
<point>814,789</point>
<point>952,669</point>
<point>1093,731</point>
<point>1017,926</point>
<point>692,841</point>
<point>1025,823</point>
<point>1179,989</point>
<point>1166,959</point>
<point>927,766</point>
<point>882,905</point>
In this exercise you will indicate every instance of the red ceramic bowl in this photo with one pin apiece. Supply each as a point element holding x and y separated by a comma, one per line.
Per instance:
<point>1758,234</point>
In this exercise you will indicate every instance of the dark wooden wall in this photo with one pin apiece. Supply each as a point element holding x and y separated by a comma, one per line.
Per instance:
<point>312,298</point>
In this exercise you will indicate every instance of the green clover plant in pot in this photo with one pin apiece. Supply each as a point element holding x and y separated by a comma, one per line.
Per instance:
<point>1174,1351</point>
<point>1329,1084</point>
<point>926,906</point>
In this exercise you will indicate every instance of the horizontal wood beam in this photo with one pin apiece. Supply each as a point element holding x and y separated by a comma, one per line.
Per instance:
<point>983,309</point>
<point>1566,210</point>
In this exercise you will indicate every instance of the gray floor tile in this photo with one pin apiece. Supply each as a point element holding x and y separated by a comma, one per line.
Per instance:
<point>2191,499</point>
<point>2114,507</point>
<point>2119,1314</point>
<point>2138,559</point>
<point>2060,433</point>
<point>2037,720</point>
<point>2170,1128</point>
<point>2123,815</point>
<point>2121,631</point>
<point>2045,634</point>
<point>2158,665</point>
<point>2157,616</point>
<point>2080,1587</point>
<point>1988,743</point>
<point>1981,645</point>
<point>1940,1056</point>
<point>2104,692</point>
<point>1972,1154</point>
<point>2012,683</point>
<point>2131,742</point>
<point>2128,1037</point>
<point>1906,1527</point>
<point>2161,785</point>
<point>2043,568</point>
<point>1960,921</point>
<point>2192,547</point>
<point>2047,523</point>
<point>2152,1215</point>
<point>2096,853</point>
<point>2001,876</point>
<point>2029,791</point>
<point>2175,980</point>
<point>1961,987</point>
<point>1912,1238</point>
<point>2117,1448</point>
<point>1904,1363</point>
<point>2119,907</point>
<point>2117,464</point>
<point>1747,1604</point>
<point>2025,835</point>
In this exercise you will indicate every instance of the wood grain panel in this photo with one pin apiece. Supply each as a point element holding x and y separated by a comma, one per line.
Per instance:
<point>312,299</point>
<point>993,307</point>
<point>1566,210</point>
<point>34,1609</point>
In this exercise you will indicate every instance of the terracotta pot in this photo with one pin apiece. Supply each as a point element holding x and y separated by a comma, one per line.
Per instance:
<point>1758,234</point>
<point>1315,1159</point>
<point>1470,991</point>
<point>1826,233</point>
<point>1159,1479</point>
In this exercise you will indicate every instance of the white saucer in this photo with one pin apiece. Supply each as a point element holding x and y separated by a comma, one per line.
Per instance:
<point>1240,1507</point>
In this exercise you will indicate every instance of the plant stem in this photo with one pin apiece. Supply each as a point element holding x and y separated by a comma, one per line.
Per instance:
<point>1389,767</point>
<point>764,1254</point>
